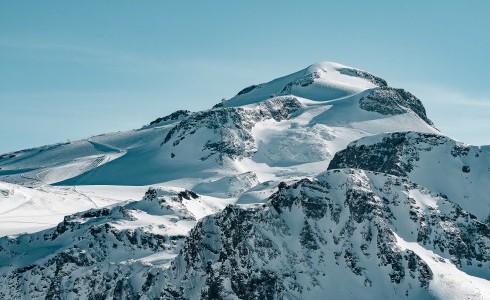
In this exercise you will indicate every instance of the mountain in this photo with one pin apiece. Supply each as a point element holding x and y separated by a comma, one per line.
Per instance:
<point>323,182</point>
<point>319,110</point>
<point>286,129</point>
<point>93,252</point>
<point>349,233</point>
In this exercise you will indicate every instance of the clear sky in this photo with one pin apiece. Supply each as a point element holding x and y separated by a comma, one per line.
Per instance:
<point>71,69</point>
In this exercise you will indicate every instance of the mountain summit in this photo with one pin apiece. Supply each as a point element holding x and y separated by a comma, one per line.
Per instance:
<point>319,82</point>
<point>326,181</point>
<point>296,120</point>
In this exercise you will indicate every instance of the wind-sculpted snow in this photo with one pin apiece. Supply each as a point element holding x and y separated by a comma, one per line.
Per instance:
<point>451,168</point>
<point>229,186</point>
<point>24,209</point>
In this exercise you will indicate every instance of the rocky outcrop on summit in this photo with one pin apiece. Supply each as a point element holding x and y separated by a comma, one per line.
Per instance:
<point>100,253</point>
<point>391,101</point>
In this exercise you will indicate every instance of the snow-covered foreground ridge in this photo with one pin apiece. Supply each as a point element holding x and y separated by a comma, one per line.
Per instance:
<point>323,183</point>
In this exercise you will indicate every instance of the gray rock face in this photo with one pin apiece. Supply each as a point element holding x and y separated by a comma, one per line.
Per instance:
<point>394,153</point>
<point>247,89</point>
<point>175,116</point>
<point>311,236</point>
<point>348,220</point>
<point>391,101</point>
<point>232,126</point>
<point>302,81</point>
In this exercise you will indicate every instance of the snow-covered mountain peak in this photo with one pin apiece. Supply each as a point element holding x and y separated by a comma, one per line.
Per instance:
<point>299,120</point>
<point>325,67</point>
<point>322,81</point>
<point>326,180</point>
<point>333,71</point>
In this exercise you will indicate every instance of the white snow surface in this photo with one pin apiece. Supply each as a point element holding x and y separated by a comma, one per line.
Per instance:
<point>238,153</point>
<point>329,83</point>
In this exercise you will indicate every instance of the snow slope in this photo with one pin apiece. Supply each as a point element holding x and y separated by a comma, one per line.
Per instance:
<point>236,202</point>
<point>287,137</point>
<point>33,209</point>
<point>305,124</point>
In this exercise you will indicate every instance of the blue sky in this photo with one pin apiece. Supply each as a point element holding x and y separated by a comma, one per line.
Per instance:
<point>70,69</point>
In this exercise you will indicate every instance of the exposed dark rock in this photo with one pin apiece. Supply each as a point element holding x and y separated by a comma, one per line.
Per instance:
<point>302,81</point>
<point>358,73</point>
<point>231,126</point>
<point>394,154</point>
<point>247,89</point>
<point>390,101</point>
<point>175,116</point>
